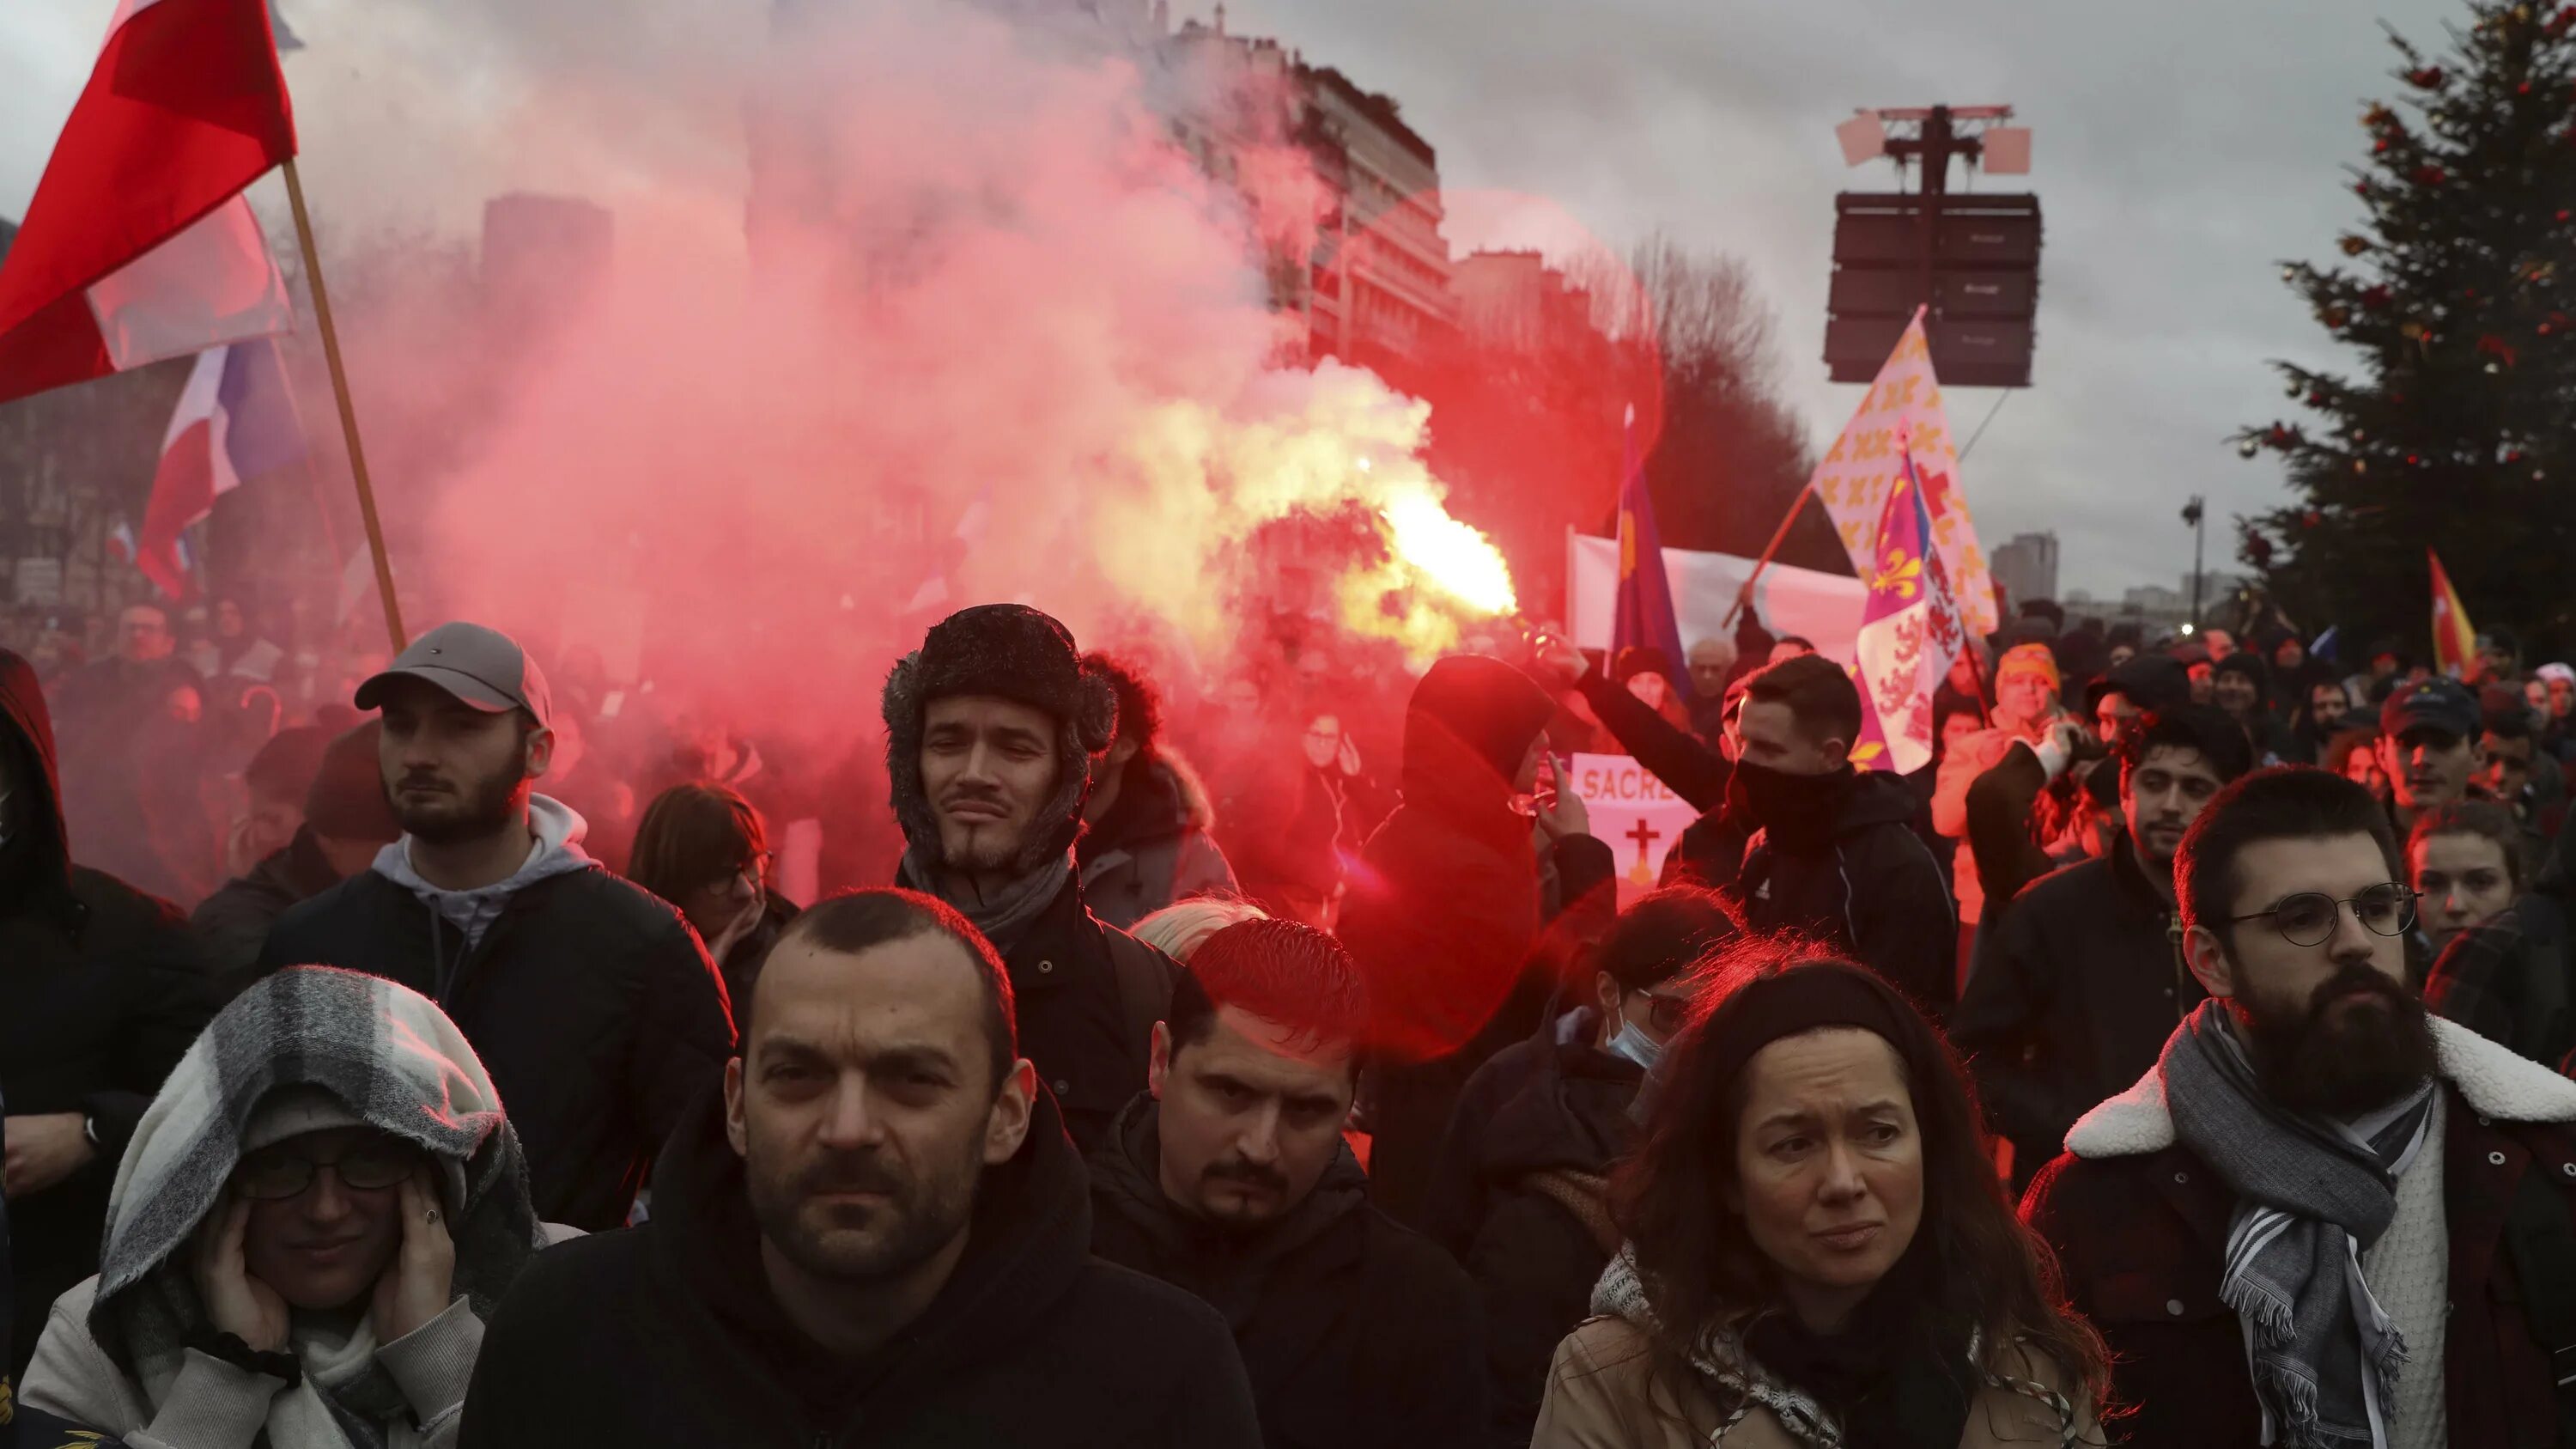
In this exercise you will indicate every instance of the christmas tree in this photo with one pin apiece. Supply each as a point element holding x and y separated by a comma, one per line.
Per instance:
<point>2457,426</point>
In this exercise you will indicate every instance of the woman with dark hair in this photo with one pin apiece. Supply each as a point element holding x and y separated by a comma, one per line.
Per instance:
<point>1818,1252</point>
<point>704,849</point>
<point>2354,754</point>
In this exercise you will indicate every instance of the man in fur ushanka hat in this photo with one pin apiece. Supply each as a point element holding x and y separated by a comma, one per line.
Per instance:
<point>991,728</point>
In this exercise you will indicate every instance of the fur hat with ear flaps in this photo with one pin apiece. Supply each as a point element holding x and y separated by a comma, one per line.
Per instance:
<point>1006,651</point>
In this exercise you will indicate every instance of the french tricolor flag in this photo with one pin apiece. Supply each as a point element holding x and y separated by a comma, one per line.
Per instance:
<point>235,420</point>
<point>137,245</point>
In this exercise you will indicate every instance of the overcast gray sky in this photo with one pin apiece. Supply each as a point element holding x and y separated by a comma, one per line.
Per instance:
<point>2183,149</point>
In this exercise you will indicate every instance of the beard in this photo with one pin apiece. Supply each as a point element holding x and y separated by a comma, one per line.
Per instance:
<point>985,847</point>
<point>859,1244</point>
<point>467,810</point>
<point>2312,1057</point>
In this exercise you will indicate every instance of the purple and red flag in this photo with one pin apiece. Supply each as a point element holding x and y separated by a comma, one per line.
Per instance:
<point>1909,632</point>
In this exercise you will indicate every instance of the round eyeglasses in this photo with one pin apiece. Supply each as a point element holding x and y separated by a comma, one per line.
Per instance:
<point>2308,917</point>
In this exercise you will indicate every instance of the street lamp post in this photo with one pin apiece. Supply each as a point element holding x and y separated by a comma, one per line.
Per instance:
<point>2196,513</point>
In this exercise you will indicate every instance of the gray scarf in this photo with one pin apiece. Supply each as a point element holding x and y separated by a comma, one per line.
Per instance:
<point>1005,918</point>
<point>2312,1193</point>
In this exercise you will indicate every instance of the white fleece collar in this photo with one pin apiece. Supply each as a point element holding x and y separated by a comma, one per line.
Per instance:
<point>2491,1079</point>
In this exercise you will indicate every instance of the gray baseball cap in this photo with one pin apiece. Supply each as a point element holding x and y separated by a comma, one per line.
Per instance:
<point>483,667</point>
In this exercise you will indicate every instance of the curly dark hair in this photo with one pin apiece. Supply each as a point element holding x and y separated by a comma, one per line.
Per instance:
<point>1695,1256</point>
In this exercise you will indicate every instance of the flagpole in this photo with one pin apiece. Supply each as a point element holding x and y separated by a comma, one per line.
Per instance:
<point>1778,537</point>
<point>348,410</point>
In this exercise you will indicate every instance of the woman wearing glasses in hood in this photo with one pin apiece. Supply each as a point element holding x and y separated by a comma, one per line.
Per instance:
<point>311,1225</point>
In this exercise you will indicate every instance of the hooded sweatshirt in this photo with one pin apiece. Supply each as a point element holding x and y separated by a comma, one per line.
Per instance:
<point>1356,1332</point>
<point>1446,913</point>
<point>555,851</point>
<point>304,1050</point>
<point>668,1334</point>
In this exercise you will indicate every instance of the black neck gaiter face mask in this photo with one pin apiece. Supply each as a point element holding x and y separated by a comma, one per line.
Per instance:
<point>1794,808</point>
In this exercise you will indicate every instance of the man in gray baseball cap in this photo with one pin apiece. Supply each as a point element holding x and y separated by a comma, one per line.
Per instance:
<point>481,667</point>
<point>592,1003</point>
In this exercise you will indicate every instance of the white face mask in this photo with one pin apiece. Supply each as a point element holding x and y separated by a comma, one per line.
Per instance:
<point>1631,1041</point>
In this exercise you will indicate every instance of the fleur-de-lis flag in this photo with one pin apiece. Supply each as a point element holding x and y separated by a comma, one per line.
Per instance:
<point>1909,631</point>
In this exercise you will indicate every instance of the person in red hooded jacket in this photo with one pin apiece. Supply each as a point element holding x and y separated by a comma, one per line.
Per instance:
<point>1447,908</point>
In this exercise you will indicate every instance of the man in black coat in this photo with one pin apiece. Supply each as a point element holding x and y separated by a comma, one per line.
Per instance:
<point>1230,1178</point>
<point>2077,989</point>
<point>876,1233</point>
<point>991,730</point>
<point>1835,856</point>
<point>101,991</point>
<point>1446,917</point>
<point>592,1004</point>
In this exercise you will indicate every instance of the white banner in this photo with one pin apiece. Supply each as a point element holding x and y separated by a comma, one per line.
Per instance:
<point>1823,609</point>
<point>1634,814</point>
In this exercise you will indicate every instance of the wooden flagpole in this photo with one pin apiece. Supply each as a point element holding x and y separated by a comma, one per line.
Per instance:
<point>1778,537</point>
<point>348,410</point>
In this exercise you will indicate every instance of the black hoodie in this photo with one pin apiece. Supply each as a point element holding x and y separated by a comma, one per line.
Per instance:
<point>1357,1332</point>
<point>666,1334</point>
<point>1446,910</point>
<point>1522,1199</point>
<point>101,991</point>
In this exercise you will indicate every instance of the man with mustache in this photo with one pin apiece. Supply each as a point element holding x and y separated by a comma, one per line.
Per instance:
<point>591,1002</point>
<point>2082,977</point>
<point>2322,1219</point>
<point>992,727</point>
<point>1230,1177</point>
<point>875,1234</point>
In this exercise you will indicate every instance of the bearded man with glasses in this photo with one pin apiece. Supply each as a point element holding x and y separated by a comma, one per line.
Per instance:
<point>2323,1218</point>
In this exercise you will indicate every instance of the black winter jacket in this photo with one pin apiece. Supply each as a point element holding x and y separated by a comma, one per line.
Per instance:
<point>101,991</point>
<point>2075,992</point>
<point>1866,883</point>
<point>1356,1331</point>
<point>1537,1133</point>
<point>234,922</point>
<point>591,1003</point>
<point>666,1334</point>
<point>1088,996</point>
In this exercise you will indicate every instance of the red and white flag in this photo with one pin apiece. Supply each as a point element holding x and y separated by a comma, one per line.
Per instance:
<point>138,245</point>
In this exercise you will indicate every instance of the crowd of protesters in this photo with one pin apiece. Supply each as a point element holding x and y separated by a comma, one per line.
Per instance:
<point>446,1049</point>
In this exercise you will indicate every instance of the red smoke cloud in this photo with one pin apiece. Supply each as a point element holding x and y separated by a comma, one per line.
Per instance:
<point>906,308</point>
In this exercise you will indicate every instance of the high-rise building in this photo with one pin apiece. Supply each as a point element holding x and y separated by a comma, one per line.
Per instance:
<point>1344,194</point>
<point>2027,567</point>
